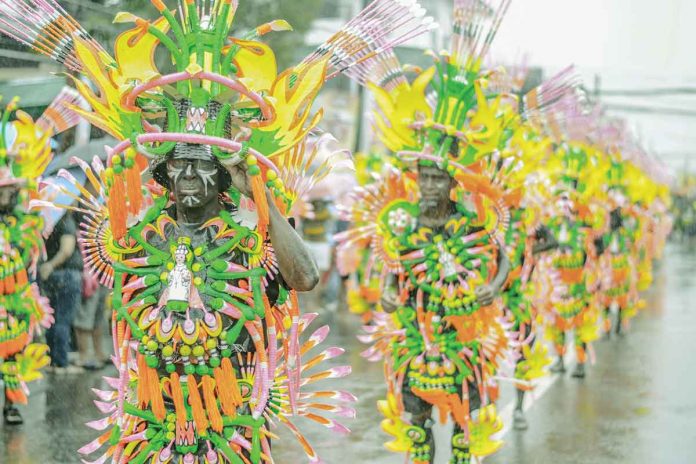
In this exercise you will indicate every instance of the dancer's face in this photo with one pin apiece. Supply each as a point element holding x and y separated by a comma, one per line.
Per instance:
<point>195,182</point>
<point>435,185</point>
<point>8,198</point>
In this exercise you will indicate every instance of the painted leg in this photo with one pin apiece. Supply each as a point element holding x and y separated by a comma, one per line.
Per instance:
<point>519,421</point>
<point>10,413</point>
<point>607,322</point>
<point>423,448</point>
<point>619,322</point>
<point>559,336</point>
<point>579,371</point>
<point>460,448</point>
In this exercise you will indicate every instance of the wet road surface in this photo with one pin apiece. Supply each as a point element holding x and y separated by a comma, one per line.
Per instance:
<point>637,404</point>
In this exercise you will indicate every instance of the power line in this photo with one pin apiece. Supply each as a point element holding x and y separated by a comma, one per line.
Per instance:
<point>649,92</point>
<point>651,110</point>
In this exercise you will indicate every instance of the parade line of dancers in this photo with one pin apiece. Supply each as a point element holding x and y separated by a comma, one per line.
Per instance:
<point>495,222</point>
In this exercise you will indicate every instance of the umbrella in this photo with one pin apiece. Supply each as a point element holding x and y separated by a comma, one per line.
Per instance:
<point>85,152</point>
<point>59,187</point>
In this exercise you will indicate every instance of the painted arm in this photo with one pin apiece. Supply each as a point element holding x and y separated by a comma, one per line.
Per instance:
<point>485,294</point>
<point>296,264</point>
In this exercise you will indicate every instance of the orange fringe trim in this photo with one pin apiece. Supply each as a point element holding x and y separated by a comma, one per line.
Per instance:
<point>116,203</point>
<point>134,192</point>
<point>259,192</point>
<point>447,403</point>
<point>155,393</point>
<point>211,405</point>
<point>194,397</point>
<point>178,399</point>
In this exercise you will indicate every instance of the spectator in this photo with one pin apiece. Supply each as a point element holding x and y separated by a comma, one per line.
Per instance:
<point>89,323</point>
<point>61,282</point>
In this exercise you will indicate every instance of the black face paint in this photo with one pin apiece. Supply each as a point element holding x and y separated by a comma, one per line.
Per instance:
<point>8,199</point>
<point>434,184</point>
<point>193,181</point>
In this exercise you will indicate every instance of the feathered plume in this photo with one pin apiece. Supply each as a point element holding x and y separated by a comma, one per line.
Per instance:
<point>44,26</point>
<point>58,117</point>
<point>381,26</point>
<point>476,24</point>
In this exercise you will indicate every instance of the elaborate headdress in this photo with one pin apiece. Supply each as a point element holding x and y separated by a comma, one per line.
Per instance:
<point>224,99</point>
<point>448,114</point>
<point>25,149</point>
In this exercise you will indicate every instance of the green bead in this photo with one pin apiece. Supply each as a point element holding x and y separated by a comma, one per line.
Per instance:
<point>214,362</point>
<point>201,369</point>
<point>226,353</point>
<point>170,368</point>
<point>152,361</point>
<point>189,369</point>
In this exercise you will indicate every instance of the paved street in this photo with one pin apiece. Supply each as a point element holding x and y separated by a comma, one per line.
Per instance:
<point>637,404</point>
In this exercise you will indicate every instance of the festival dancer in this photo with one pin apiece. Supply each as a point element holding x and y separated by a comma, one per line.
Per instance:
<point>571,305</point>
<point>435,231</point>
<point>619,277</point>
<point>203,264</point>
<point>525,242</point>
<point>24,154</point>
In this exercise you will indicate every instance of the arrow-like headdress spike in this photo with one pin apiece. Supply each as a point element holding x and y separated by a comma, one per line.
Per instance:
<point>44,26</point>
<point>381,26</point>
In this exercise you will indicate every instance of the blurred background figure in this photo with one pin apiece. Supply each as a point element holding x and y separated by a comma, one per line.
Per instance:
<point>61,281</point>
<point>89,324</point>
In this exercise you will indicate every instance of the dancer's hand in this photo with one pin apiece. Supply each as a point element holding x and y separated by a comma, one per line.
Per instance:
<point>239,176</point>
<point>45,271</point>
<point>484,295</point>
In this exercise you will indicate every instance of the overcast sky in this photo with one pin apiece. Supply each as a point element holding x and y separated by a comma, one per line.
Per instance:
<point>630,44</point>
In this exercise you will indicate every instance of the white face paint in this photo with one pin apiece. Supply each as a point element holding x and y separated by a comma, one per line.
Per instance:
<point>208,177</point>
<point>204,170</point>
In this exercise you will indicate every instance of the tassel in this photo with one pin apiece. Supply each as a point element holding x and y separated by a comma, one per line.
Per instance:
<point>134,191</point>
<point>143,390</point>
<point>196,404</point>
<point>259,191</point>
<point>211,406</point>
<point>231,380</point>
<point>224,393</point>
<point>117,203</point>
<point>155,394</point>
<point>10,284</point>
<point>178,399</point>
